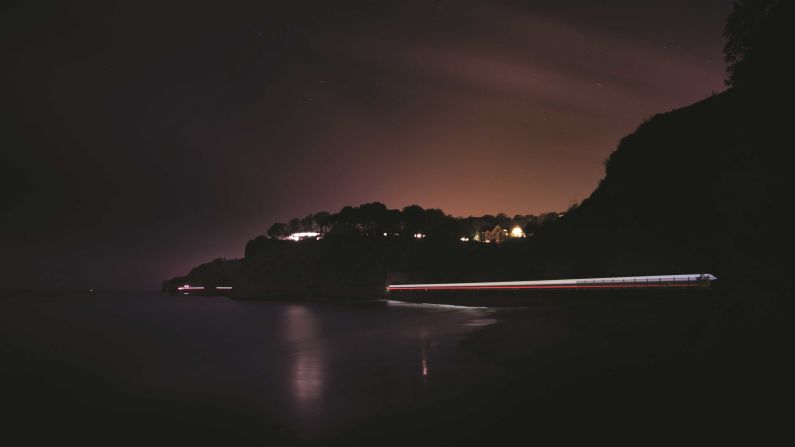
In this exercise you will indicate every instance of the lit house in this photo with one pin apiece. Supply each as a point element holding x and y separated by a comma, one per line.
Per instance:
<point>498,234</point>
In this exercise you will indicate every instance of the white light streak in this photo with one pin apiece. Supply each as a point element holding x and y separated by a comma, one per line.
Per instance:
<point>567,283</point>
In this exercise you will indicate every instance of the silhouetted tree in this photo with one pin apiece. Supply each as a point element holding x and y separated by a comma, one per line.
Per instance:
<point>531,227</point>
<point>413,219</point>
<point>294,225</point>
<point>434,222</point>
<point>393,222</point>
<point>468,228</point>
<point>277,230</point>
<point>375,219</point>
<point>758,35</point>
<point>503,220</point>
<point>547,218</point>
<point>448,228</point>
<point>322,219</point>
<point>348,215</point>
<point>332,221</point>
<point>372,216</point>
<point>308,223</point>
<point>487,222</point>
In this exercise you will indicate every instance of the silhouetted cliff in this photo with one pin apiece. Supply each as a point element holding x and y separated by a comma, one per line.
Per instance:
<point>697,189</point>
<point>704,187</point>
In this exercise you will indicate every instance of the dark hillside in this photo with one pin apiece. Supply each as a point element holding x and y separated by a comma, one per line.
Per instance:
<point>704,187</point>
<point>696,189</point>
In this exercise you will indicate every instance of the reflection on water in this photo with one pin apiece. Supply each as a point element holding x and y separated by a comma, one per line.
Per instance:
<point>313,368</point>
<point>425,343</point>
<point>425,371</point>
<point>307,368</point>
<point>307,379</point>
<point>481,322</point>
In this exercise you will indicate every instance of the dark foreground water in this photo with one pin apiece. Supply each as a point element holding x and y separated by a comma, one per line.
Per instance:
<point>143,363</point>
<point>149,369</point>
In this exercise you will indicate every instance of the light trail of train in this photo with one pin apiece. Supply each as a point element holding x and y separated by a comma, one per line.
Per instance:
<point>622,282</point>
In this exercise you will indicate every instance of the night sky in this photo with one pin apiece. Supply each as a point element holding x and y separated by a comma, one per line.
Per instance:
<point>140,139</point>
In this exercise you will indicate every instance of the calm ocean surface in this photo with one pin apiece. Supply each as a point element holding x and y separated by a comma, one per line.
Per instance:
<point>302,371</point>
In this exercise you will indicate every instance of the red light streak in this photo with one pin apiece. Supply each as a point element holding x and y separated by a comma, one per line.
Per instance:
<point>590,286</point>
